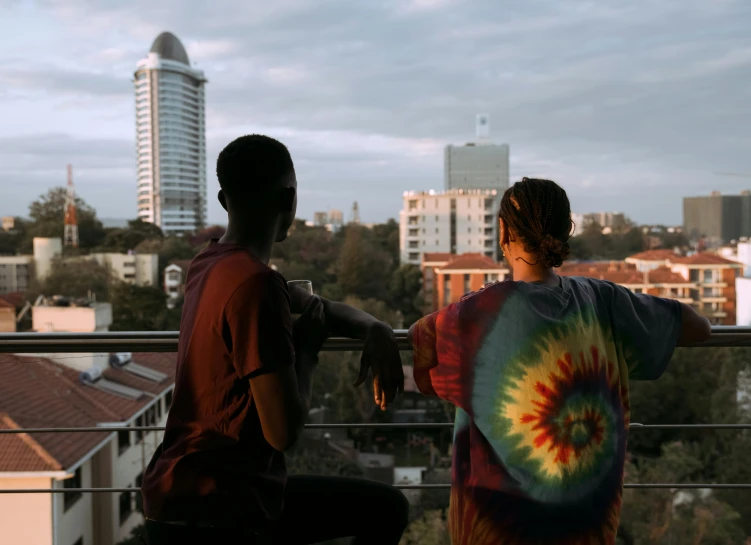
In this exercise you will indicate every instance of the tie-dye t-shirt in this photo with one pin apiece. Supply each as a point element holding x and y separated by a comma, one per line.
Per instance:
<point>539,375</point>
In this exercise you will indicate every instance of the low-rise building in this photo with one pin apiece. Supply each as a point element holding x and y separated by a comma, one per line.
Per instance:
<point>175,275</point>
<point>131,268</point>
<point>464,274</point>
<point>16,273</point>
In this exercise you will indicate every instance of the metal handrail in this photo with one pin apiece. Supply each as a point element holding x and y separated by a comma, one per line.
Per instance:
<point>166,341</point>
<point>384,425</point>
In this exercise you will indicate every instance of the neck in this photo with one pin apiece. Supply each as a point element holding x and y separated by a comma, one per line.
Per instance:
<point>524,272</point>
<point>255,238</point>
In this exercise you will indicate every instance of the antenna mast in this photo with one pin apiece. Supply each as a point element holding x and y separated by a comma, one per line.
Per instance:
<point>355,213</point>
<point>70,236</point>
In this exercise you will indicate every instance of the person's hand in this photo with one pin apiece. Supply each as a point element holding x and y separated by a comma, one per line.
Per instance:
<point>309,331</point>
<point>381,353</point>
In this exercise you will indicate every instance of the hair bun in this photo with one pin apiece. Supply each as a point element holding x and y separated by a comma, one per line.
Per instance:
<point>553,251</point>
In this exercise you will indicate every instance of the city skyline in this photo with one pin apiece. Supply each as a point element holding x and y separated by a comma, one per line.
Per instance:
<point>612,102</point>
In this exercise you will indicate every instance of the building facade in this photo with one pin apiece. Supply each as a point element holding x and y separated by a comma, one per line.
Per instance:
<point>464,274</point>
<point>454,222</point>
<point>170,138</point>
<point>476,166</point>
<point>717,218</point>
<point>15,273</point>
<point>131,268</point>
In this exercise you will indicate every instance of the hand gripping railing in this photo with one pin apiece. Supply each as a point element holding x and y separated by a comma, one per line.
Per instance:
<point>166,341</point>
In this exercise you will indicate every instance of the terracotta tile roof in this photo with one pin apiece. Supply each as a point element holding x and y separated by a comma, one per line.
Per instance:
<point>591,267</point>
<point>654,255</point>
<point>471,261</point>
<point>436,256</point>
<point>37,392</point>
<point>14,299</point>
<point>19,452</point>
<point>704,258</point>
<point>630,276</point>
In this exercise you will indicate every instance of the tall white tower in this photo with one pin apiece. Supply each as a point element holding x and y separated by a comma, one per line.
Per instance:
<point>171,138</point>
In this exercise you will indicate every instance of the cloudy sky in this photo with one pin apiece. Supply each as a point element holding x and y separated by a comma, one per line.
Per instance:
<point>628,104</point>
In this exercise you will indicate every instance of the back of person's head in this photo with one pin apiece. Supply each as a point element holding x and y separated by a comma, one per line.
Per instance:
<point>251,168</point>
<point>537,213</point>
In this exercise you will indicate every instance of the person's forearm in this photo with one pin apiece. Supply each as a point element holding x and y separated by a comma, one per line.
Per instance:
<point>304,367</point>
<point>342,320</point>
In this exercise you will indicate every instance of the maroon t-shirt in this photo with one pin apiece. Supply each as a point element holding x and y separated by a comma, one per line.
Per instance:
<point>214,464</point>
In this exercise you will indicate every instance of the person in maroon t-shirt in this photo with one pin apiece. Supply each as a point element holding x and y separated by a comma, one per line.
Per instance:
<point>243,385</point>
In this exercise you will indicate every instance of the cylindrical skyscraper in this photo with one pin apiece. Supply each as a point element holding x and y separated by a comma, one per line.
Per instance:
<point>170,138</point>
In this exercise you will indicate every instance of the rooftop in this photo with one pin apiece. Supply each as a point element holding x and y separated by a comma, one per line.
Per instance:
<point>703,258</point>
<point>437,257</point>
<point>654,255</point>
<point>471,261</point>
<point>168,46</point>
<point>451,192</point>
<point>37,392</point>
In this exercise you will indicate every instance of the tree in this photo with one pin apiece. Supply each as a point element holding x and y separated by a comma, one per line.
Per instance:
<point>430,529</point>
<point>78,277</point>
<point>124,240</point>
<point>386,238</point>
<point>47,215</point>
<point>11,242</point>
<point>362,267</point>
<point>201,239</point>
<point>405,291</point>
<point>138,308</point>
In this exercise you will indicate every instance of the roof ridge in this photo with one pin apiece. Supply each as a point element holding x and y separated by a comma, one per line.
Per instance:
<point>38,449</point>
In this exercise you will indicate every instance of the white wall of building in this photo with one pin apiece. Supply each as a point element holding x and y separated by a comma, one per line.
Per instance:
<point>425,224</point>
<point>743,255</point>
<point>78,520</point>
<point>26,518</point>
<point>46,250</point>
<point>137,269</point>
<point>15,273</point>
<point>98,317</point>
<point>743,301</point>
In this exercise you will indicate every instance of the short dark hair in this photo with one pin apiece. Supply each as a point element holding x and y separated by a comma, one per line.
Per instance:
<point>539,213</point>
<point>252,164</point>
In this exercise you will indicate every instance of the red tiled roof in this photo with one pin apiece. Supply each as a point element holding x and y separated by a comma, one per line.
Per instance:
<point>14,299</point>
<point>591,267</point>
<point>19,452</point>
<point>436,256</point>
<point>471,261</point>
<point>655,255</point>
<point>37,392</point>
<point>630,276</point>
<point>703,258</point>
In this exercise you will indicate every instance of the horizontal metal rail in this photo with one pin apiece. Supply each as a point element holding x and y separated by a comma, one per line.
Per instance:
<point>681,486</point>
<point>385,425</point>
<point>166,341</point>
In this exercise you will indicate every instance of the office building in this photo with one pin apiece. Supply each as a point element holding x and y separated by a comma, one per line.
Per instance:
<point>454,222</point>
<point>170,138</point>
<point>477,165</point>
<point>716,218</point>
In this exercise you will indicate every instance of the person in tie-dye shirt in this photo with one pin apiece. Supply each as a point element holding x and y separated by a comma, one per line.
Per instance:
<point>538,369</point>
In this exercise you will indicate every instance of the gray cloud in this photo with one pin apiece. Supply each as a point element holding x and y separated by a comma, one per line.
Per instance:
<point>616,100</point>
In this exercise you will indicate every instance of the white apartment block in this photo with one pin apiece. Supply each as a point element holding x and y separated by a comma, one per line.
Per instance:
<point>170,138</point>
<point>455,222</point>
<point>15,273</point>
<point>131,268</point>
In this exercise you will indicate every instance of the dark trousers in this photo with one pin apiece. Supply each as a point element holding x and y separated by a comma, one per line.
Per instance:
<point>315,509</point>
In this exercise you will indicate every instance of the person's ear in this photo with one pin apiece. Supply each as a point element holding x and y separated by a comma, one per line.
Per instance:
<point>222,199</point>
<point>287,199</point>
<point>503,230</point>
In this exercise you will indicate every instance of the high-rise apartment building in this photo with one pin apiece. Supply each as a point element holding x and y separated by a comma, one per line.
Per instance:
<point>717,218</point>
<point>478,165</point>
<point>170,138</point>
<point>454,222</point>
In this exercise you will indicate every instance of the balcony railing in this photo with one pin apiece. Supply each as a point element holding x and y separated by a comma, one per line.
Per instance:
<point>166,341</point>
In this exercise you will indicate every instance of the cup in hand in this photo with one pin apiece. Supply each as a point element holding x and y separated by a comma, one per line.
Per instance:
<point>305,285</point>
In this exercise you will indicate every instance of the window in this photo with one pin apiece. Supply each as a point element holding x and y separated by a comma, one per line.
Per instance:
<point>446,290</point>
<point>414,232</point>
<point>436,230</point>
<point>638,290</point>
<point>466,284</point>
<point>413,244</point>
<point>158,410</point>
<point>168,401</point>
<point>469,229</point>
<point>436,218</point>
<point>70,498</point>
<point>694,275</point>
<point>123,441</point>
<point>412,205</point>
<point>708,275</point>
<point>414,256</point>
<point>126,507</point>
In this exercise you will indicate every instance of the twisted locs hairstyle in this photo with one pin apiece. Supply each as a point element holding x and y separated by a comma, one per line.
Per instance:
<point>539,214</point>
